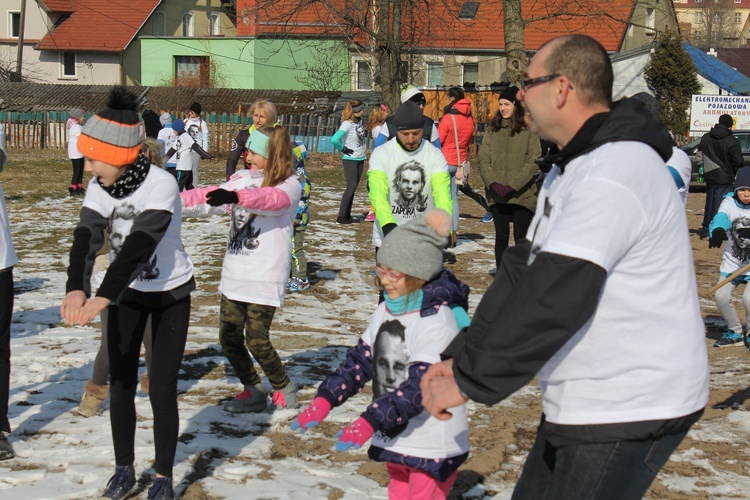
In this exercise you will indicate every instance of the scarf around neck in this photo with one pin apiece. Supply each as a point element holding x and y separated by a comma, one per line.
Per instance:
<point>130,180</point>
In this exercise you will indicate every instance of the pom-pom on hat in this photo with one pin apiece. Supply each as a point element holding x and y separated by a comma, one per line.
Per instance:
<point>195,108</point>
<point>408,116</point>
<point>76,113</point>
<point>726,120</point>
<point>743,179</point>
<point>178,125</point>
<point>113,134</point>
<point>416,247</point>
<point>410,93</point>
<point>509,94</point>
<point>165,119</point>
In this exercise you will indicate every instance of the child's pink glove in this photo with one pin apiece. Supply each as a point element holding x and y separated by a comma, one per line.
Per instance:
<point>313,415</point>
<point>355,434</point>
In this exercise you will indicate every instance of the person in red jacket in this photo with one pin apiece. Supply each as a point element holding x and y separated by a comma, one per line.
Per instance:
<point>456,130</point>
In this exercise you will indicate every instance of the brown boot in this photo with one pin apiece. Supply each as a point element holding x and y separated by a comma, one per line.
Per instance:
<point>93,397</point>
<point>144,383</point>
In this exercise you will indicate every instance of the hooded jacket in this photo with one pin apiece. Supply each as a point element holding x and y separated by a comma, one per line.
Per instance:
<point>461,113</point>
<point>509,159</point>
<point>722,156</point>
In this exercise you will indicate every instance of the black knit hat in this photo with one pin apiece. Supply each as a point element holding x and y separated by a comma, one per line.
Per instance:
<point>408,116</point>
<point>509,94</point>
<point>726,120</point>
<point>195,108</point>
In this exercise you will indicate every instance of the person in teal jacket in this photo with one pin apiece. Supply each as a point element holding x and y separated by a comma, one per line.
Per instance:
<point>351,139</point>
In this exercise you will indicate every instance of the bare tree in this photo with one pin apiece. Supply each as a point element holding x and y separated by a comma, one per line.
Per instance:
<point>714,24</point>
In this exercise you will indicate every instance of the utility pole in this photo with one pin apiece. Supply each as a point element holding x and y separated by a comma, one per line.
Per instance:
<point>19,55</point>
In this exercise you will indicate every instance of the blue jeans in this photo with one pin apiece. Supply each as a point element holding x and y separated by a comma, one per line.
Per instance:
<point>714,195</point>
<point>619,470</point>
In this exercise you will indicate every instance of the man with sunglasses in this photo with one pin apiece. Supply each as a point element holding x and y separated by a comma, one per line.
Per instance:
<point>601,305</point>
<point>430,132</point>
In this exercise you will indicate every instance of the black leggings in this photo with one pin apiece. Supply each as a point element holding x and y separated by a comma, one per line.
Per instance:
<point>352,174</point>
<point>77,177</point>
<point>468,191</point>
<point>6,311</point>
<point>126,325</point>
<point>502,215</point>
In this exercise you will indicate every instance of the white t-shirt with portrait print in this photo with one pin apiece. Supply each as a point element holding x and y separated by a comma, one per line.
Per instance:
<point>169,266</point>
<point>409,174</point>
<point>259,248</point>
<point>184,153</point>
<point>425,338</point>
<point>616,207</point>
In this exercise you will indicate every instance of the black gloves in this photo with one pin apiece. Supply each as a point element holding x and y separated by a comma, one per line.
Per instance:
<point>220,197</point>
<point>388,228</point>
<point>717,238</point>
<point>743,232</point>
<point>348,151</point>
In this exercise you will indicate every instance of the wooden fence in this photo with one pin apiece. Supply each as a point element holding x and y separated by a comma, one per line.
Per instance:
<point>46,130</point>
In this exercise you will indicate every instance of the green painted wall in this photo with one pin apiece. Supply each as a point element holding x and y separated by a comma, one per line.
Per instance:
<point>245,63</point>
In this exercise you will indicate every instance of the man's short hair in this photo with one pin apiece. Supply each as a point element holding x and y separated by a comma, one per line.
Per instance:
<point>586,64</point>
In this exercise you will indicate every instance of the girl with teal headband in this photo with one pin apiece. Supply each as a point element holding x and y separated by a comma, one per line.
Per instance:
<point>262,201</point>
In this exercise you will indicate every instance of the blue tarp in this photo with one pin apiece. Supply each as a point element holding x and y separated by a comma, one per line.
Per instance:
<point>718,72</point>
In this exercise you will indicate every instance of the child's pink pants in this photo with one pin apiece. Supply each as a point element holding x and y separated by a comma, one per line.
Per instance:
<point>415,484</point>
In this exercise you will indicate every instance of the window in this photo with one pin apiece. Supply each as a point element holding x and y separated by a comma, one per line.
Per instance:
<point>364,76</point>
<point>192,71</point>
<point>434,74</point>
<point>698,35</point>
<point>188,24</point>
<point>717,18</point>
<point>214,24</point>
<point>14,24</point>
<point>159,24</point>
<point>650,21</point>
<point>68,64</point>
<point>470,72</point>
<point>698,18</point>
<point>737,1</point>
<point>737,17</point>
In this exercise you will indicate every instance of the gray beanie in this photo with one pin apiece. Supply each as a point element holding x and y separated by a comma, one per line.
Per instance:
<point>76,113</point>
<point>165,119</point>
<point>416,247</point>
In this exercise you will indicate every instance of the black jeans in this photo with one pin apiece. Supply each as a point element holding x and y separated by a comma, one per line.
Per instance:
<point>6,311</point>
<point>502,215</point>
<point>126,325</point>
<point>619,470</point>
<point>352,174</point>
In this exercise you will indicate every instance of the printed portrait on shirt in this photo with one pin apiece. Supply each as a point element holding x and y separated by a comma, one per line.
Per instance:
<point>390,358</point>
<point>361,134</point>
<point>242,236</point>
<point>120,224</point>
<point>194,131</point>
<point>409,183</point>
<point>740,245</point>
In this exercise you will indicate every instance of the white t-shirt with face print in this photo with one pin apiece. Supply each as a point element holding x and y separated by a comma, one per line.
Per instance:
<point>642,356</point>
<point>169,266</point>
<point>396,342</point>
<point>409,173</point>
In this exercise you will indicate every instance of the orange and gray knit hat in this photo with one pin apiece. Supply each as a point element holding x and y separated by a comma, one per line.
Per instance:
<point>113,134</point>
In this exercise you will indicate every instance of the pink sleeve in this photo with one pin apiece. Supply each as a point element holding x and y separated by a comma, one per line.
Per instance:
<point>196,196</point>
<point>270,199</point>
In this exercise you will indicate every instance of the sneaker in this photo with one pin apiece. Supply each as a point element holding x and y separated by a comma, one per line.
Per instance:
<point>370,217</point>
<point>72,191</point>
<point>248,401</point>
<point>6,450</point>
<point>729,339</point>
<point>286,397</point>
<point>487,217</point>
<point>295,285</point>
<point>121,484</point>
<point>161,489</point>
<point>344,220</point>
<point>702,233</point>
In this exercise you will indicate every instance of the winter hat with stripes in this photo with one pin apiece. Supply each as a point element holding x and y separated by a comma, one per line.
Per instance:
<point>113,134</point>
